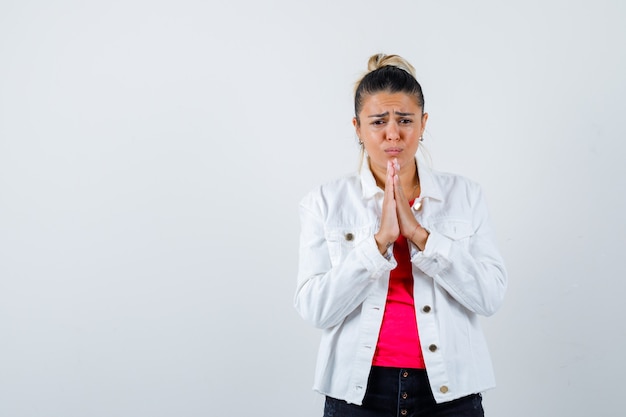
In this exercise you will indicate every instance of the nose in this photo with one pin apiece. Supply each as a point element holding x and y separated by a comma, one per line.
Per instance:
<point>392,132</point>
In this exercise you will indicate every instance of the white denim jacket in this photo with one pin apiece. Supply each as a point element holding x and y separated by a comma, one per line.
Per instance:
<point>343,280</point>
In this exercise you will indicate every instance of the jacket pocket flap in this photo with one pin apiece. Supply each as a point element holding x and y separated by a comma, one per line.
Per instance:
<point>454,229</point>
<point>348,236</point>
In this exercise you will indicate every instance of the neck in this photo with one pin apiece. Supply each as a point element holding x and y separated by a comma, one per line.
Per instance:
<point>408,177</point>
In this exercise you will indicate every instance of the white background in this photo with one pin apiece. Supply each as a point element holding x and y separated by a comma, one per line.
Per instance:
<point>153,153</point>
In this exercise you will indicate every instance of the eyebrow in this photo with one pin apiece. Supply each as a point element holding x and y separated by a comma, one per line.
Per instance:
<point>397,113</point>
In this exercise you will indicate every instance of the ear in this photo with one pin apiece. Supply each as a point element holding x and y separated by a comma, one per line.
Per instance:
<point>357,128</point>
<point>424,120</point>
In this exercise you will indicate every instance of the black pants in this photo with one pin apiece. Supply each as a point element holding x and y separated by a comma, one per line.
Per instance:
<point>395,392</point>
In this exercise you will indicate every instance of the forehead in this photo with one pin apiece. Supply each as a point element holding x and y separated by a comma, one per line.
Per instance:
<point>385,100</point>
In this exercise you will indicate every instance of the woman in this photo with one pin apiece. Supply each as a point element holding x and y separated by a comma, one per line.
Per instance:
<point>396,263</point>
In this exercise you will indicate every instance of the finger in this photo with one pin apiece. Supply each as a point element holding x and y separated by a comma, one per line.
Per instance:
<point>397,186</point>
<point>396,173</point>
<point>390,169</point>
<point>389,186</point>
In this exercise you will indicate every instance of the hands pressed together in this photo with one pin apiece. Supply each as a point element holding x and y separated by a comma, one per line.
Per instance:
<point>397,217</point>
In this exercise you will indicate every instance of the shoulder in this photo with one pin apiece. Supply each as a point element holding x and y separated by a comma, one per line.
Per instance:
<point>328,193</point>
<point>453,179</point>
<point>454,186</point>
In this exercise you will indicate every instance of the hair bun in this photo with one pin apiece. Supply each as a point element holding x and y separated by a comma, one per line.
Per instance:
<point>381,60</point>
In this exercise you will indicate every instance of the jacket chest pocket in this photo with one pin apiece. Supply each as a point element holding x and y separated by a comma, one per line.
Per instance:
<point>457,230</point>
<point>341,241</point>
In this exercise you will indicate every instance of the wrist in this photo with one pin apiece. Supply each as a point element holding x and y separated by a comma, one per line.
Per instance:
<point>383,244</point>
<point>419,236</point>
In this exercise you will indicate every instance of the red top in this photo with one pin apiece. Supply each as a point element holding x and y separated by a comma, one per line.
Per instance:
<point>398,342</point>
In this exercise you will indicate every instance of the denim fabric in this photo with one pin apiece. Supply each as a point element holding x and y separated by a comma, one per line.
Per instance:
<point>343,282</point>
<point>396,392</point>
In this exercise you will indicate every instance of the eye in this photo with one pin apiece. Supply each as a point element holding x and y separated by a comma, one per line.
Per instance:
<point>378,122</point>
<point>406,121</point>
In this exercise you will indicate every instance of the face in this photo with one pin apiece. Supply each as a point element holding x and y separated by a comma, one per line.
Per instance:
<point>391,125</point>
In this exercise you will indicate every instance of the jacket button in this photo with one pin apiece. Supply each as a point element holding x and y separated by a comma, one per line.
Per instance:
<point>443,389</point>
<point>405,374</point>
<point>405,395</point>
<point>349,237</point>
<point>403,412</point>
<point>426,309</point>
<point>432,348</point>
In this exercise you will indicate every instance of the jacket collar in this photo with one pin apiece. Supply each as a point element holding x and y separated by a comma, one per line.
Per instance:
<point>428,185</point>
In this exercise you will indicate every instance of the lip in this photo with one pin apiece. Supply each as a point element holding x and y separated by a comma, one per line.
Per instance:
<point>393,151</point>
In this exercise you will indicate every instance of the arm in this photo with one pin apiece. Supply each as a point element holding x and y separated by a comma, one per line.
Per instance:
<point>466,262</point>
<point>326,294</point>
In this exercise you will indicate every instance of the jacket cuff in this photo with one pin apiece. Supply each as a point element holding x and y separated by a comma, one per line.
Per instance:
<point>372,259</point>
<point>435,257</point>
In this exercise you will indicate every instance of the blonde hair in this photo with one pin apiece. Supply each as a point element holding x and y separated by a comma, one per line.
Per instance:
<point>377,61</point>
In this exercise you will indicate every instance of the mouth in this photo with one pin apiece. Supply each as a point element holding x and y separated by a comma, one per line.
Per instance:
<point>393,151</point>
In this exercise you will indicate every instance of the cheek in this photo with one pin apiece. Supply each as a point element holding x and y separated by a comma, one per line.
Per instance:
<point>368,134</point>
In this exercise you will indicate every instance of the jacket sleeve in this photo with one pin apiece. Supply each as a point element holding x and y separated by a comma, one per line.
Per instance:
<point>326,294</point>
<point>466,261</point>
